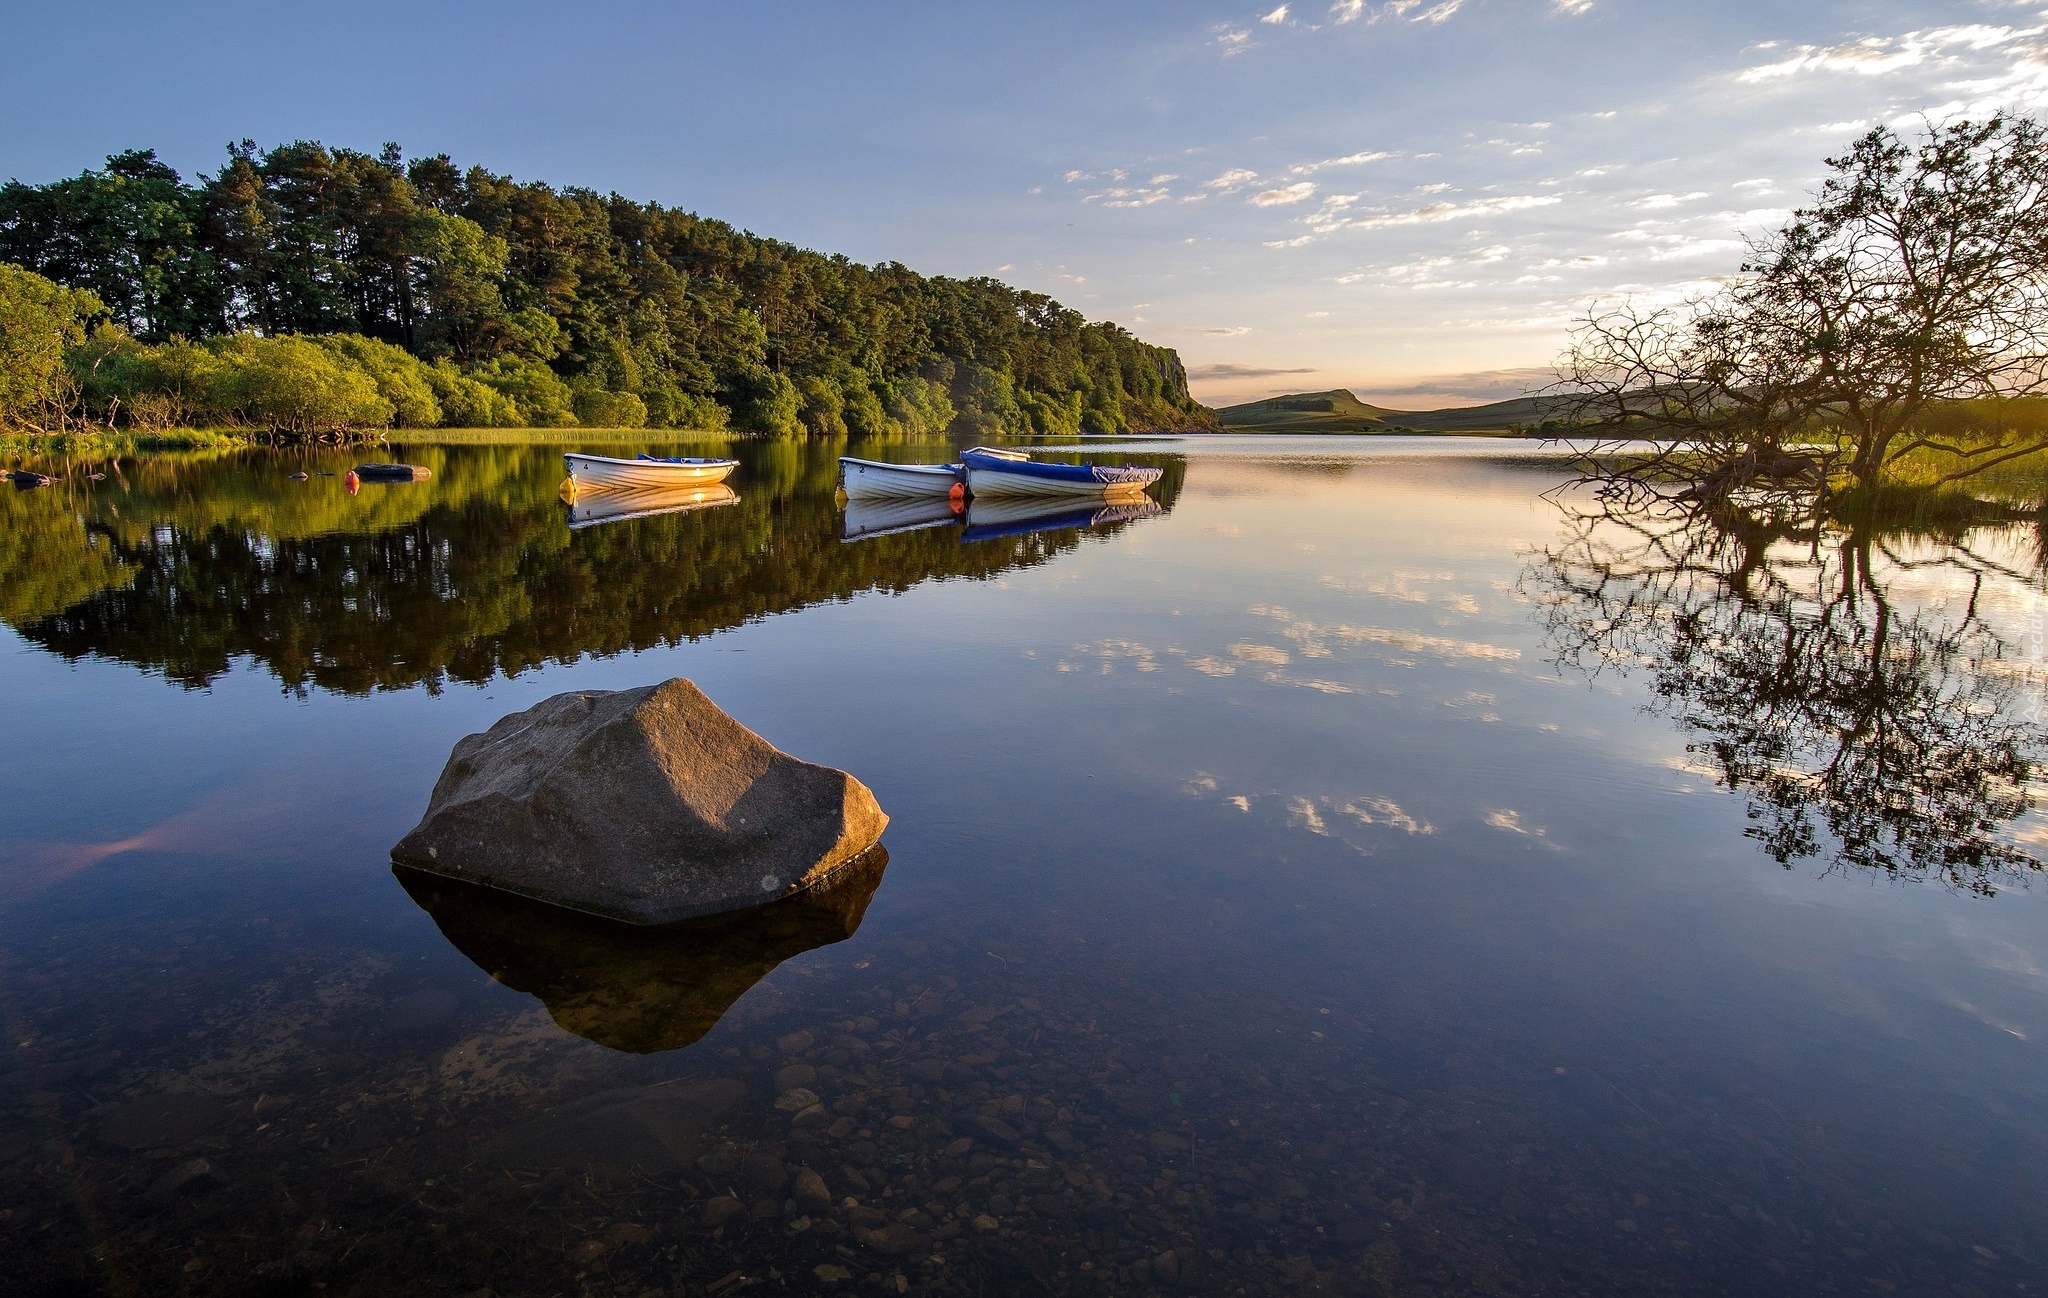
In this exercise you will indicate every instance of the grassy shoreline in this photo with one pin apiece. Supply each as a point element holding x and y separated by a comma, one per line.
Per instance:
<point>102,442</point>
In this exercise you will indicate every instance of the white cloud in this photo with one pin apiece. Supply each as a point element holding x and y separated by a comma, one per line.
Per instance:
<point>1440,12</point>
<point>1509,819</point>
<point>1571,8</point>
<point>1348,160</point>
<point>1346,11</point>
<point>1276,17</point>
<point>1231,181</point>
<point>1385,811</point>
<point>1655,202</point>
<point>1233,40</point>
<point>1876,56</point>
<point>1230,331</point>
<point>1435,213</point>
<point>1296,193</point>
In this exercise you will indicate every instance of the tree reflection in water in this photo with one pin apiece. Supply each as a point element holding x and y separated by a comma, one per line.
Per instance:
<point>184,567</point>
<point>1854,686</point>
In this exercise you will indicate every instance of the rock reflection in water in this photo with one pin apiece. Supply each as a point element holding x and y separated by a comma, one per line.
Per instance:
<point>632,988</point>
<point>1871,727</point>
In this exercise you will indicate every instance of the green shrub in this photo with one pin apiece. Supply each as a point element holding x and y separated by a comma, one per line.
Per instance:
<point>293,385</point>
<point>821,406</point>
<point>1052,416</point>
<point>668,408</point>
<point>770,406</point>
<point>596,408</point>
<point>38,321</point>
<point>919,406</point>
<point>543,400</point>
<point>401,378</point>
<point>863,413</point>
<point>988,403</point>
<point>467,402</point>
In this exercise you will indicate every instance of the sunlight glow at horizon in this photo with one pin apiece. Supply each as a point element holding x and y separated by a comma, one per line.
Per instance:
<point>1410,198</point>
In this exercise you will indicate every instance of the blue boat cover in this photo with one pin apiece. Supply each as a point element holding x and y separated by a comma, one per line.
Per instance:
<point>675,459</point>
<point>1104,475</point>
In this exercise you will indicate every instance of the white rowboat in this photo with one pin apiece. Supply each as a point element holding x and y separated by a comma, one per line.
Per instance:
<point>608,473</point>
<point>875,480</point>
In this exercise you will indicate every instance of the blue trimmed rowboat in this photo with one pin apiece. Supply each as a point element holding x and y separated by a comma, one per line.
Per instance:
<point>990,475</point>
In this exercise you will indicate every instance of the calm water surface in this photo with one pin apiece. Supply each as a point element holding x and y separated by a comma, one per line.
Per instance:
<point>1356,877</point>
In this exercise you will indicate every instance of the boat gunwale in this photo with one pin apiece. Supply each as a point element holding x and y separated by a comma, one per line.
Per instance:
<point>649,461</point>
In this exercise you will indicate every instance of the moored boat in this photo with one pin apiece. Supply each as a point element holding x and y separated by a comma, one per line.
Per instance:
<point>993,475</point>
<point>615,506</point>
<point>876,479</point>
<point>610,473</point>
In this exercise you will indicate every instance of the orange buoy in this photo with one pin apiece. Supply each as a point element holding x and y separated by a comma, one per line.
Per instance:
<point>352,482</point>
<point>958,491</point>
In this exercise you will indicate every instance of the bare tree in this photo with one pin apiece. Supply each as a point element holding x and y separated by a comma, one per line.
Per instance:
<point>1905,312</point>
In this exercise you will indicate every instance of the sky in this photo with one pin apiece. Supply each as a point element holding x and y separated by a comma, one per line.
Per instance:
<point>1413,199</point>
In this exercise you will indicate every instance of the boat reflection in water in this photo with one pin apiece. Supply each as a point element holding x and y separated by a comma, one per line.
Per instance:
<point>989,517</point>
<point>636,989</point>
<point>590,508</point>
<point>868,516</point>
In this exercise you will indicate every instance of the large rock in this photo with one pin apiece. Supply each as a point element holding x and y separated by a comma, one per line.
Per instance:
<point>648,805</point>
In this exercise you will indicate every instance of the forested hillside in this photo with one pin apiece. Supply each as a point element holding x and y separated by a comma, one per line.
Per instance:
<point>444,296</point>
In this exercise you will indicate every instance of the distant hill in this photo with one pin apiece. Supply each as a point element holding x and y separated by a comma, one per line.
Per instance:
<point>1339,411</point>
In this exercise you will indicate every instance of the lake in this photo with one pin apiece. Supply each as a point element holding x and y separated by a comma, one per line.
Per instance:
<point>1363,874</point>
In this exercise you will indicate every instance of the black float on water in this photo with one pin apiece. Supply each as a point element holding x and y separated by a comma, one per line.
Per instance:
<point>392,473</point>
<point>24,478</point>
